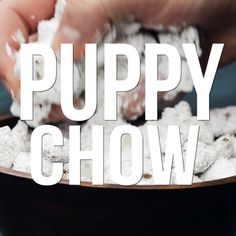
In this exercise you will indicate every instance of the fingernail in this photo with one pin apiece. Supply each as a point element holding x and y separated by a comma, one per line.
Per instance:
<point>11,53</point>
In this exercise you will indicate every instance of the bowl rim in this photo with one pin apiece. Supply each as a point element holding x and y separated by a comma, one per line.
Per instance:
<point>205,184</point>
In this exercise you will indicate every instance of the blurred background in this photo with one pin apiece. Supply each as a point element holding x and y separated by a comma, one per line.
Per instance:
<point>223,91</point>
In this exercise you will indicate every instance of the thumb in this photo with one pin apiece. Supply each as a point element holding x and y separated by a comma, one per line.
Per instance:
<point>82,22</point>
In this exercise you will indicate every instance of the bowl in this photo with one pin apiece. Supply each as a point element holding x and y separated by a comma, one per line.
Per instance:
<point>29,209</point>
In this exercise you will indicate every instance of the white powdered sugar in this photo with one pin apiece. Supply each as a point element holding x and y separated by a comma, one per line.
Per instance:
<point>22,162</point>
<point>7,148</point>
<point>222,168</point>
<point>226,116</point>
<point>13,142</point>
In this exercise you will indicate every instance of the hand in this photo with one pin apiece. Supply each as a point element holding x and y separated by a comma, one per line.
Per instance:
<point>86,20</point>
<point>18,19</point>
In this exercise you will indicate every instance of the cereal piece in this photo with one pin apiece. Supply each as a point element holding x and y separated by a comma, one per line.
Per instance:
<point>22,162</point>
<point>8,151</point>
<point>222,168</point>
<point>181,115</point>
<point>20,134</point>
<point>55,153</point>
<point>223,147</point>
<point>205,157</point>
<point>178,114</point>
<point>222,121</point>
<point>205,136</point>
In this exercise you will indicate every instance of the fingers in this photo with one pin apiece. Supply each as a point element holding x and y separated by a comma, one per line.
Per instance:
<point>82,22</point>
<point>22,18</point>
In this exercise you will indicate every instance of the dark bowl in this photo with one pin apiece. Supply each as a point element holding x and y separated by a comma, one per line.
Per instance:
<point>29,209</point>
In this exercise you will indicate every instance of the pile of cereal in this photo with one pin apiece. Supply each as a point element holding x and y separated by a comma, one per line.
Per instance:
<point>215,158</point>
